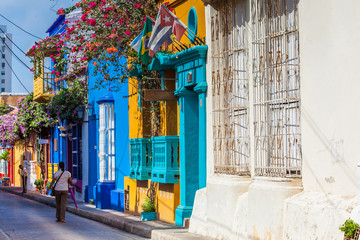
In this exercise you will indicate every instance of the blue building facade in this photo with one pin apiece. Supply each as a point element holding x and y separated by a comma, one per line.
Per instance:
<point>106,183</point>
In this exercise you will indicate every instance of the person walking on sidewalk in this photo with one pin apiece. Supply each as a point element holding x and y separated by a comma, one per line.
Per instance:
<point>63,179</point>
<point>23,173</point>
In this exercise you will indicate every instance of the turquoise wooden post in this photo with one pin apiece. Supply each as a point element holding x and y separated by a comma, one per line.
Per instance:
<point>189,152</point>
<point>201,90</point>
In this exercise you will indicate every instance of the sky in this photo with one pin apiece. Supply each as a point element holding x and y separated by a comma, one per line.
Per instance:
<point>35,16</point>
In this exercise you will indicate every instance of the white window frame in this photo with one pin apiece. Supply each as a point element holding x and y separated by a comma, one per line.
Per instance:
<point>106,142</point>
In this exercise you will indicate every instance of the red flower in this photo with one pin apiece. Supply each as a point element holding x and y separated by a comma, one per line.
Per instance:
<point>77,5</point>
<point>92,22</point>
<point>60,11</point>
<point>83,17</point>
<point>127,32</point>
<point>92,5</point>
<point>107,24</point>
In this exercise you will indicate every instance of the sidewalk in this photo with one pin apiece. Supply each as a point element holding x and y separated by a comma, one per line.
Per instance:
<point>127,222</point>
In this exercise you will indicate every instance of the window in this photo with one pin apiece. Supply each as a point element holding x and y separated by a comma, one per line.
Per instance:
<point>3,48</point>
<point>106,142</point>
<point>276,84</point>
<point>77,152</point>
<point>2,89</point>
<point>2,80</point>
<point>2,72</point>
<point>3,55</point>
<point>192,24</point>
<point>3,65</point>
<point>230,89</point>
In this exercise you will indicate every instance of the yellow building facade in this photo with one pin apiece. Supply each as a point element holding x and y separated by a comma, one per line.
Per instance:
<point>167,195</point>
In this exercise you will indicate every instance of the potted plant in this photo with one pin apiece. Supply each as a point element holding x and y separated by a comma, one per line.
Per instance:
<point>39,184</point>
<point>351,230</point>
<point>149,210</point>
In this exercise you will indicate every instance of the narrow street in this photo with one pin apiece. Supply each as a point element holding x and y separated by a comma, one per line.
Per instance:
<point>26,219</point>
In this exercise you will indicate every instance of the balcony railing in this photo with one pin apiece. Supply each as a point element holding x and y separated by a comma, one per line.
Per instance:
<point>43,87</point>
<point>165,162</point>
<point>140,158</point>
<point>156,159</point>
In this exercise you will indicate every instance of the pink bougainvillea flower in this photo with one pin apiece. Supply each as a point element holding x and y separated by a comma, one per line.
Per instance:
<point>84,16</point>
<point>91,22</point>
<point>112,35</point>
<point>107,24</point>
<point>127,32</point>
<point>92,5</point>
<point>74,49</point>
<point>53,72</point>
<point>60,11</point>
<point>94,35</point>
<point>57,74</point>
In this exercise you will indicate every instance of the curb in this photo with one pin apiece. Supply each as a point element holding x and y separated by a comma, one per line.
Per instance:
<point>128,225</point>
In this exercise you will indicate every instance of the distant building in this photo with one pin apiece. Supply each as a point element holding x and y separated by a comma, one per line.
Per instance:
<point>5,59</point>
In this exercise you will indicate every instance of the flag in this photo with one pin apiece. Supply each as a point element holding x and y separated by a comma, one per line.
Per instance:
<point>135,44</point>
<point>166,24</point>
<point>144,43</point>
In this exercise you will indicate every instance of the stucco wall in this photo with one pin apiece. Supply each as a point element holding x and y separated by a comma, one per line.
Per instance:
<point>329,50</point>
<point>329,92</point>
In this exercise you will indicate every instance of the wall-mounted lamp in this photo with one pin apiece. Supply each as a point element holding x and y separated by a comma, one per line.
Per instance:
<point>89,110</point>
<point>80,112</point>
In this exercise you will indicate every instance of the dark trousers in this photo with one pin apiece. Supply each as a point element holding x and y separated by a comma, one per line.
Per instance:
<point>61,198</point>
<point>24,180</point>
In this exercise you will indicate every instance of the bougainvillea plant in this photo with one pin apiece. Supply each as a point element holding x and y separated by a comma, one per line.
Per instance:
<point>7,128</point>
<point>64,105</point>
<point>54,44</point>
<point>31,117</point>
<point>103,33</point>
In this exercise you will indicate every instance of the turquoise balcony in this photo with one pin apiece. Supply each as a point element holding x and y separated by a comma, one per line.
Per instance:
<point>165,159</point>
<point>140,158</point>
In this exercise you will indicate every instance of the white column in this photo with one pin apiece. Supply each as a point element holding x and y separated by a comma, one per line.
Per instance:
<point>102,139</point>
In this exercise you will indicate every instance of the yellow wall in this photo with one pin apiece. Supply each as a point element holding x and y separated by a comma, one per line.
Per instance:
<point>18,159</point>
<point>167,198</point>
<point>181,10</point>
<point>167,195</point>
<point>52,168</point>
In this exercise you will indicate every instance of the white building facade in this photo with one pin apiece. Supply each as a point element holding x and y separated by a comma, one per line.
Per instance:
<point>282,138</point>
<point>5,59</point>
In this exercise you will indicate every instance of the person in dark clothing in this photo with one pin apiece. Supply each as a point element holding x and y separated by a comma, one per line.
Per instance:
<point>23,173</point>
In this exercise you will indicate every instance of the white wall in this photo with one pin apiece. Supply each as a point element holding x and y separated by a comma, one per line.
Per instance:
<point>330,83</point>
<point>312,207</point>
